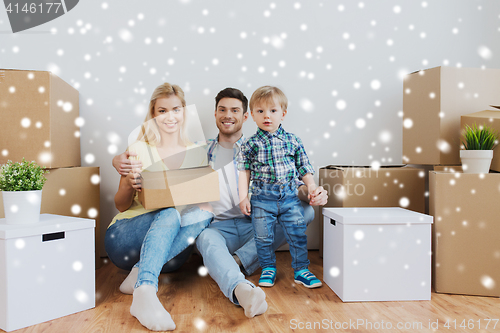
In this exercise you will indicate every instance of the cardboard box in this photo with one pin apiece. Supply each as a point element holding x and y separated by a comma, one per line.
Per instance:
<point>38,112</point>
<point>179,187</point>
<point>483,118</point>
<point>72,192</point>
<point>466,232</point>
<point>433,101</point>
<point>377,254</point>
<point>392,186</point>
<point>448,168</point>
<point>46,270</point>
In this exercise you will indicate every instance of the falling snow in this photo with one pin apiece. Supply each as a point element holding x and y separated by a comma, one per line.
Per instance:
<point>335,78</point>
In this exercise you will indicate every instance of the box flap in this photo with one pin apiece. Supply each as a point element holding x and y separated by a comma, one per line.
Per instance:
<point>376,215</point>
<point>484,114</point>
<point>49,223</point>
<point>340,167</point>
<point>24,70</point>
<point>423,70</point>
<point>448,168</point>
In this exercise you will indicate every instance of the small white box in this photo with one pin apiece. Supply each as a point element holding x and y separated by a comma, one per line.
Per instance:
<point>47,270</point>
<point>377,254</point>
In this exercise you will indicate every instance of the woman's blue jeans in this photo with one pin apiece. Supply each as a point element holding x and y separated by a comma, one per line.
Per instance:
<point>154,241</point>
<point>278,203</point>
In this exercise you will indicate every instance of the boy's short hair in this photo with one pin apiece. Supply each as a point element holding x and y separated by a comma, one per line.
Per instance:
<point>267,93</point>
<point>232,93</point>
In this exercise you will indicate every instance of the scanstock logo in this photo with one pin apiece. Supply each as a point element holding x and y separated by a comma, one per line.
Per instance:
<point>26,14</point>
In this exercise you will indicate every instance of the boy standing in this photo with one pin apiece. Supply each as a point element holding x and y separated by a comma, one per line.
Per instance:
<point>273,159</point>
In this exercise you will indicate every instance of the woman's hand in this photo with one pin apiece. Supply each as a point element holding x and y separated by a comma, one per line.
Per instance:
<point>124,165</point>
<point>134,179</point>
<point>245,206</point>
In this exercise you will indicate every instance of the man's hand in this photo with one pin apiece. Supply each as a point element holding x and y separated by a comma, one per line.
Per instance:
<point>245,206</point>
<point>124,165</point>
<point>134,179</point>
<point>317,196</point>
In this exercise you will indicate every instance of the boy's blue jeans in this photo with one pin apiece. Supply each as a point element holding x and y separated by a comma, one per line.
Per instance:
<point>278,203</point>
<point>154,239</point>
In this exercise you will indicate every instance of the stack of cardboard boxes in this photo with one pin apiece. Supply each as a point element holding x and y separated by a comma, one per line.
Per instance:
<point>40,115</point>
<point>437,104</point>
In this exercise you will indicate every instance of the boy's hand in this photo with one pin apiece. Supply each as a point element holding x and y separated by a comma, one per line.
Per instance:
<point>318,197</point>
<point>134,179</point>
<point>124,165</point>
<point>311,188</point>
<point>245,206</point>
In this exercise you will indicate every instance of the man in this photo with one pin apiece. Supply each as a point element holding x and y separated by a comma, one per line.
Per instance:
<point>227,245</point>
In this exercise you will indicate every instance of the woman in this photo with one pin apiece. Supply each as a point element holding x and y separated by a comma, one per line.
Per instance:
<point>158,235</point>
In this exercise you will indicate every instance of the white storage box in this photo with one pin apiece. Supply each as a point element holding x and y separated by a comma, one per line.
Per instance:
<point>377,254</point>
<point>47,270</point>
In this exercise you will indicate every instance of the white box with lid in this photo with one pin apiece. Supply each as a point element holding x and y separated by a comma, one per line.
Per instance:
<point>47,270</point>
<point>377,254</point>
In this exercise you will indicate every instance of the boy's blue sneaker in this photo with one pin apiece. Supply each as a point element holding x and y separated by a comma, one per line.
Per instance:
<point>307,279</point>
<point>267,277</point>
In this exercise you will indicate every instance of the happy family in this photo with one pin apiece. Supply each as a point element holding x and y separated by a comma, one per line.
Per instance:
<point>266,192</point>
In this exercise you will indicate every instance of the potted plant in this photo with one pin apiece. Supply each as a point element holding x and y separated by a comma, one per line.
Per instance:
<point>21,185</point>
<point>478,145</point>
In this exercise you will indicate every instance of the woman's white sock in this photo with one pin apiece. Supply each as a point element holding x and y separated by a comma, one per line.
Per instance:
<point>127,286</point>
<point>146,307</point>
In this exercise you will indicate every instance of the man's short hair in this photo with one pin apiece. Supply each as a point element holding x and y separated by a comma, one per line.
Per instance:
<point>266,94</point>
<point>232,93</point>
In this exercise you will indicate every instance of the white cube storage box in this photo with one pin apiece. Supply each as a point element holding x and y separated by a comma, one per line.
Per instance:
<point>377,254</point>
<point>47,270</point>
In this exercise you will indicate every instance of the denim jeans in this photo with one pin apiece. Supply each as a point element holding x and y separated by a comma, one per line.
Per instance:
<point>222,239</point>
<point>154,240</point>
<point>278,203</point>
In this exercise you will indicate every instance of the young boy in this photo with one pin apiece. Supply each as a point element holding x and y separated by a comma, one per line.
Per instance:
<point>274,159</point>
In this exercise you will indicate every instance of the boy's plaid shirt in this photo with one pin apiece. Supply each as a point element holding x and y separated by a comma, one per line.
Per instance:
<point>274,158</point>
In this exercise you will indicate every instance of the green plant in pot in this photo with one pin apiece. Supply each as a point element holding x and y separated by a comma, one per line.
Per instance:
<point>478,143</point>
<point>21,185</point>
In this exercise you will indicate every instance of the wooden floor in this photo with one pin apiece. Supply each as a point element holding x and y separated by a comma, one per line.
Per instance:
<point>197,305</point>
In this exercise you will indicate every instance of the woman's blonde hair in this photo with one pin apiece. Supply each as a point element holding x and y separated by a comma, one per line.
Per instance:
<point>149,130</point>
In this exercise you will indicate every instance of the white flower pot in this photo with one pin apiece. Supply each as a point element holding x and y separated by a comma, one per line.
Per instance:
<point>476,161</point>
<point>22,207</point>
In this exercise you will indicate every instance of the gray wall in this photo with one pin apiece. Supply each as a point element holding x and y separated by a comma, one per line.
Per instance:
<point>340,63</point>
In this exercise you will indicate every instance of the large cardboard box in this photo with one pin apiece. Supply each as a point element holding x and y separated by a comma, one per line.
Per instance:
<point>377,254</point>
<point>490,118</point>
<point>466,246</point>
<point>433,101</point>
<point>72,192</point>
<point>46,270</point>
<point>179,187</point>
<point>39,119</point>
<point>389,186</point>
